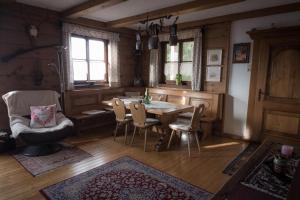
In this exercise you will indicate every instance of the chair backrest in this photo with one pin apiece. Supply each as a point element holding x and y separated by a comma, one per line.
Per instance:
<point>119,109</point>
<point>138,113</point>
<point>197,114</point>
<point>132,94</point>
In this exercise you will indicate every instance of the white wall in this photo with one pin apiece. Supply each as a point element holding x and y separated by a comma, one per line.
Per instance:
<point>236,100</point>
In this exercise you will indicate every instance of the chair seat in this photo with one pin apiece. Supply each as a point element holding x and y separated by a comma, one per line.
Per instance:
<point>149,122</point>
<point>188,115</point>
<point>180,125</point>
<point>128,117</point>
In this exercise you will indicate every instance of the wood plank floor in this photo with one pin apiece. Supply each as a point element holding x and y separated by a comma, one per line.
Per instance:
<point>203,170</point>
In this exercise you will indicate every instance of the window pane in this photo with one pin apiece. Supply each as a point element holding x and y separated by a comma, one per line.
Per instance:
<point>172,53</point>
<point>186,70</point>
<point>78,48</point>
<point>96,50</point>
<point>80,70</point>
<point>97,70</point>
<point>171,69</point>
<point>187,51</point>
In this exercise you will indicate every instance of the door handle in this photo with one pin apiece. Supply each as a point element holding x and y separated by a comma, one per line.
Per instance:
<point>260,94</point>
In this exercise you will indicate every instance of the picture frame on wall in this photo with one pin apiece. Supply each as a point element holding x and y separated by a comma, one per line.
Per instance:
<point>241,53</point>
<point>214,57</point>
<point>213,73</point>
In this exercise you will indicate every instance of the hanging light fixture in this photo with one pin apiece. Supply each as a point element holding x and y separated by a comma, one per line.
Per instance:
<point>173,33</point>
<point>138,43</point>
<point>153,39</point>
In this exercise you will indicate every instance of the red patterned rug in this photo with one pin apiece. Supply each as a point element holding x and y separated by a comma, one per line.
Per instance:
<point>124,178</point>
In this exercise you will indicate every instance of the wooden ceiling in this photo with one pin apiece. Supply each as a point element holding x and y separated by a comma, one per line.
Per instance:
<point>193,12</point>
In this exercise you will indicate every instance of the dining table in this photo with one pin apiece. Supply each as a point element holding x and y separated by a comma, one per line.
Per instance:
<point>166,112</point>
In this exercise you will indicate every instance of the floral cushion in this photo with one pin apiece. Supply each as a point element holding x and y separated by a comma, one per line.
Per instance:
<point>43,116</point>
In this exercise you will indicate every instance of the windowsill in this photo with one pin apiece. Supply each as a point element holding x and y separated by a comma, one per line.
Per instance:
<point>164,85</point>
<point>94,86</point>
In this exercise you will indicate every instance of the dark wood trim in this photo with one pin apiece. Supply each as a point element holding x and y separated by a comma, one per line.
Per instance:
<point>243,15</point>
<point>175,10</point>
<point>89,6</point>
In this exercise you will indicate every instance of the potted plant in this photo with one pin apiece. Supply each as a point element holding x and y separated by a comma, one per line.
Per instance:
<point>178,79</point>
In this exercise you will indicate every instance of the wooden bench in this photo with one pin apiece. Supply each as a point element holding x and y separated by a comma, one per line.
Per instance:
<point>78,101</point>
<point>213,104</point>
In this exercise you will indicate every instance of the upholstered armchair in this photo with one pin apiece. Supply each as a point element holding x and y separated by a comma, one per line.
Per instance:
<point>38,141</point>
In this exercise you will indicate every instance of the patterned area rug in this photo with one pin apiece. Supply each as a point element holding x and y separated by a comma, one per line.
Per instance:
<point>41,164</point>
<point>241,159</point>
<point>124,178</point>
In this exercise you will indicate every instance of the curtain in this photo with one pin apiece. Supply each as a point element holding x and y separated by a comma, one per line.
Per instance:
<point>113,38</point>
<point>197,61</point>
<point>69,85</point>
<point>154,68</point>
<point>114,64</point>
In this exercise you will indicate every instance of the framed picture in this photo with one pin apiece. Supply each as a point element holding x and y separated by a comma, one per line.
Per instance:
<point>213,73</point>
<point>214,57</point>
<point>241,53</point>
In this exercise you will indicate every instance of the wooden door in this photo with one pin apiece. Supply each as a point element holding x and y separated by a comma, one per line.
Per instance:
<point>274,102</point>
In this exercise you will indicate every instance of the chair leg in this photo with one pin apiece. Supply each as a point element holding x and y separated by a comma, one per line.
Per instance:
<point>189,148</point>
<point>140,132</point>
<point>169,144</point>
<point>116,130</point>
<point>197,140</point>
<point>126,126</point>
<point>133,136</point>
<point>145,142</point>
<point>180,136</point>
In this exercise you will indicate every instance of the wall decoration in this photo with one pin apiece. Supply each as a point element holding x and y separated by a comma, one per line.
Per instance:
<point>241,53</point>
<point>214,57</point>
<point>213,73</point>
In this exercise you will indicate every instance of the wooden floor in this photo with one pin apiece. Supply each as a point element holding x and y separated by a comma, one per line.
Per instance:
<point>203,170</point>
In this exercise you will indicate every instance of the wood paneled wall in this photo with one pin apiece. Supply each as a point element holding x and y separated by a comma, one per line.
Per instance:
<point>217,36</point>
<point>18,73</point>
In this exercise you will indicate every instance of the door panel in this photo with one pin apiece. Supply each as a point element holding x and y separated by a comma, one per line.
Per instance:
<point>282,122</point>
<point>284,74</point>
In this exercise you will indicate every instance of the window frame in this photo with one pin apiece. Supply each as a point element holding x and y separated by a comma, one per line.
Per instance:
<point>88,81</point>
<point>180,60</point>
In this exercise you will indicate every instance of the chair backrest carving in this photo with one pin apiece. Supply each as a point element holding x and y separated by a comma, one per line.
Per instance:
<point>119,109</point>
<point>138,113</point>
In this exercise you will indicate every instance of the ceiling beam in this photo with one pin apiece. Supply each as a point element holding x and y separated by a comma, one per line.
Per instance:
<point>172,10</point>
<point>89,6</point>
<point>243,15</point>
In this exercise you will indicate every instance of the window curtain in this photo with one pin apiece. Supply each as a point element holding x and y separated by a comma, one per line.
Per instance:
<point>154,67</point>
<point>113,54</point>
<point>197,61</point>
<point>197,53</point>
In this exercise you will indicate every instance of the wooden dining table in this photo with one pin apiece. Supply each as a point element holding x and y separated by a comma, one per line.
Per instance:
<point>164,111</point>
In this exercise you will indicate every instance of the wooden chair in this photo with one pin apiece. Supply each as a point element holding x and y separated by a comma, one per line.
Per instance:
<point>190,128</point>
<point>141,121</point>
<point>121,117</point>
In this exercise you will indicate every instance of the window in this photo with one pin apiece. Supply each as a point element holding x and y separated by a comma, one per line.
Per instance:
<point>178,59</point>
<point>89,59</point>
